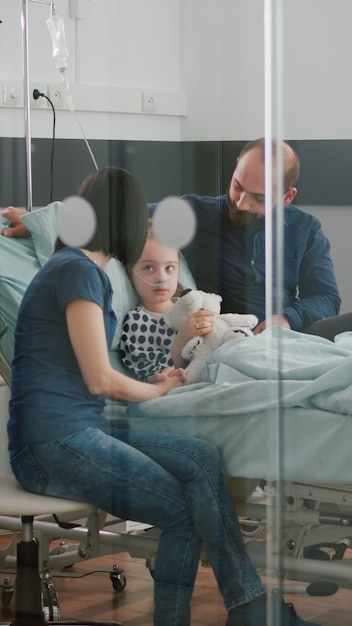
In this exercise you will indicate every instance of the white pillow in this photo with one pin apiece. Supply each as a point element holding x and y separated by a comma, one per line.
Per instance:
<point>18,265</point>
<point>42,225</point>
<point>124,296</point>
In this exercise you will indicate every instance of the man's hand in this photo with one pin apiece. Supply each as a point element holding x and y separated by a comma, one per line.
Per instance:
<point>276,320</point>
<point>17,228</point>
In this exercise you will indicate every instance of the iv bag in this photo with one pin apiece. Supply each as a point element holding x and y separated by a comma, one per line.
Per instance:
<point>56,29</point>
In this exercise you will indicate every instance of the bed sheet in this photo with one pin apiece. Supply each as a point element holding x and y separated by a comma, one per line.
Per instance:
<point>236,407</point>
<point>316,444</point>
<point>18,265</point>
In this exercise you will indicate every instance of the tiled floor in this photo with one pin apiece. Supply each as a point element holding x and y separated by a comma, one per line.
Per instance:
<point>92,598</point>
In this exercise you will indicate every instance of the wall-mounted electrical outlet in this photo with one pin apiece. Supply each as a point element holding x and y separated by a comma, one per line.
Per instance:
<point>57,94</point>
<point>12,94</point>
<point>37,102</point>
<point>149,101</point>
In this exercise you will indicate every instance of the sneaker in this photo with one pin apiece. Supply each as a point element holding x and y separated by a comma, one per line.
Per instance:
<point>256,616</point>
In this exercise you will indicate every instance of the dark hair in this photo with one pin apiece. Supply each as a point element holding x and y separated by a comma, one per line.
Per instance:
<point>121,211</point>
<point>290,158</point>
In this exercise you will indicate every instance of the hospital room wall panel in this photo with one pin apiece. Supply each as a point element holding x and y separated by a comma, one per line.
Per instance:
<point>169,167</point>
<point>172,168</point>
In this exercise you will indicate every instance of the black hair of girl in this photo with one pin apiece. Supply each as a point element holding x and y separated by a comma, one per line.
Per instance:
<point>121,210</point>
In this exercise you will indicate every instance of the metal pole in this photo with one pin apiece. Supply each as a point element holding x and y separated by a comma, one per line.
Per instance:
<point>27,111</point>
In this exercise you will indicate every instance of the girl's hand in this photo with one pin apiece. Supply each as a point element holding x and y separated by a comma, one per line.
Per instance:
<point>197,324</point>
<point>169,372</point>
<point>172,379</point>
<point>180,373</point>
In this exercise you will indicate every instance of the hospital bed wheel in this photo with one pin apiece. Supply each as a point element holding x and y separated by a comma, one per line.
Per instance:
<point>118,578</point>
<point>50,601</point>
<point>7,590</point>
<point>251,530</point>
<point>49,598</point>
<point>149,563</point>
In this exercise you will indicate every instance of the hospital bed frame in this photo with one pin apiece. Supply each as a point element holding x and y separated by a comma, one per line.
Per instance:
<point>315,534</point>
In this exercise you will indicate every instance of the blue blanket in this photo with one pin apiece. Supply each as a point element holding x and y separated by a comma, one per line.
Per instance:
<point>236,407</point>
<point>242,377</point>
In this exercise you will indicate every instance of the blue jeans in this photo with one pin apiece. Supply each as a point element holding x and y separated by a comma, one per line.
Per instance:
<point>175,483</point>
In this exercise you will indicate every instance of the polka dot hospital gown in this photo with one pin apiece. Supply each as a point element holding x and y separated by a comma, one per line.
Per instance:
<point>145,343</point>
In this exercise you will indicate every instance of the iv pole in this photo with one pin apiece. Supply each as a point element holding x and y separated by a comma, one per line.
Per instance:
<point>27,101</point>
<point>27,113</point>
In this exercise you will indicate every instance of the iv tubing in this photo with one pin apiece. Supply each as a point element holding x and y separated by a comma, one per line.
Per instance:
<point>26,90</point>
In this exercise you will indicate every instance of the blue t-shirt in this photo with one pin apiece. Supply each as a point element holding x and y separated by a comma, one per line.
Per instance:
<point>49,397</point>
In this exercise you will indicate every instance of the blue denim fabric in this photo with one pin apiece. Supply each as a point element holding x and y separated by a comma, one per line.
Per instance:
<point>175,483</point>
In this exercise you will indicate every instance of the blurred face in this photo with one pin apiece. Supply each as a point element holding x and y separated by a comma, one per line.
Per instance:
<point>155,275</point>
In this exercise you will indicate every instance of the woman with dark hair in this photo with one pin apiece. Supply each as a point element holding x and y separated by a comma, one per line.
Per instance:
<point>62,445</point>
<point>121,225</point>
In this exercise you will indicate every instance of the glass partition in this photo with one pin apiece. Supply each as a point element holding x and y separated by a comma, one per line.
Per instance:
<point>173,91</point>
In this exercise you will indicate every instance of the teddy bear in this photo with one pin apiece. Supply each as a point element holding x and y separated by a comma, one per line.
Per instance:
<point>226,326</point>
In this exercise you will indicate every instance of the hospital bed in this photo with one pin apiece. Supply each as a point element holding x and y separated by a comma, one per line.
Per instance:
<point>298,449</point>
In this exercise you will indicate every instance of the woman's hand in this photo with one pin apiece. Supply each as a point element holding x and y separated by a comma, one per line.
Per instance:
<point>173,377</point>
<point>86,329</point>
<point>169,372</point>
<point>17,228</point>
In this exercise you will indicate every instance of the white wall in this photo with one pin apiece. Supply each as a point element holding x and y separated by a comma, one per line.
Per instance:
<point>222,63</point>
<point>210,50</point>
<point>223,60</point>
<point>317,68</point>
<point>123,43</point>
